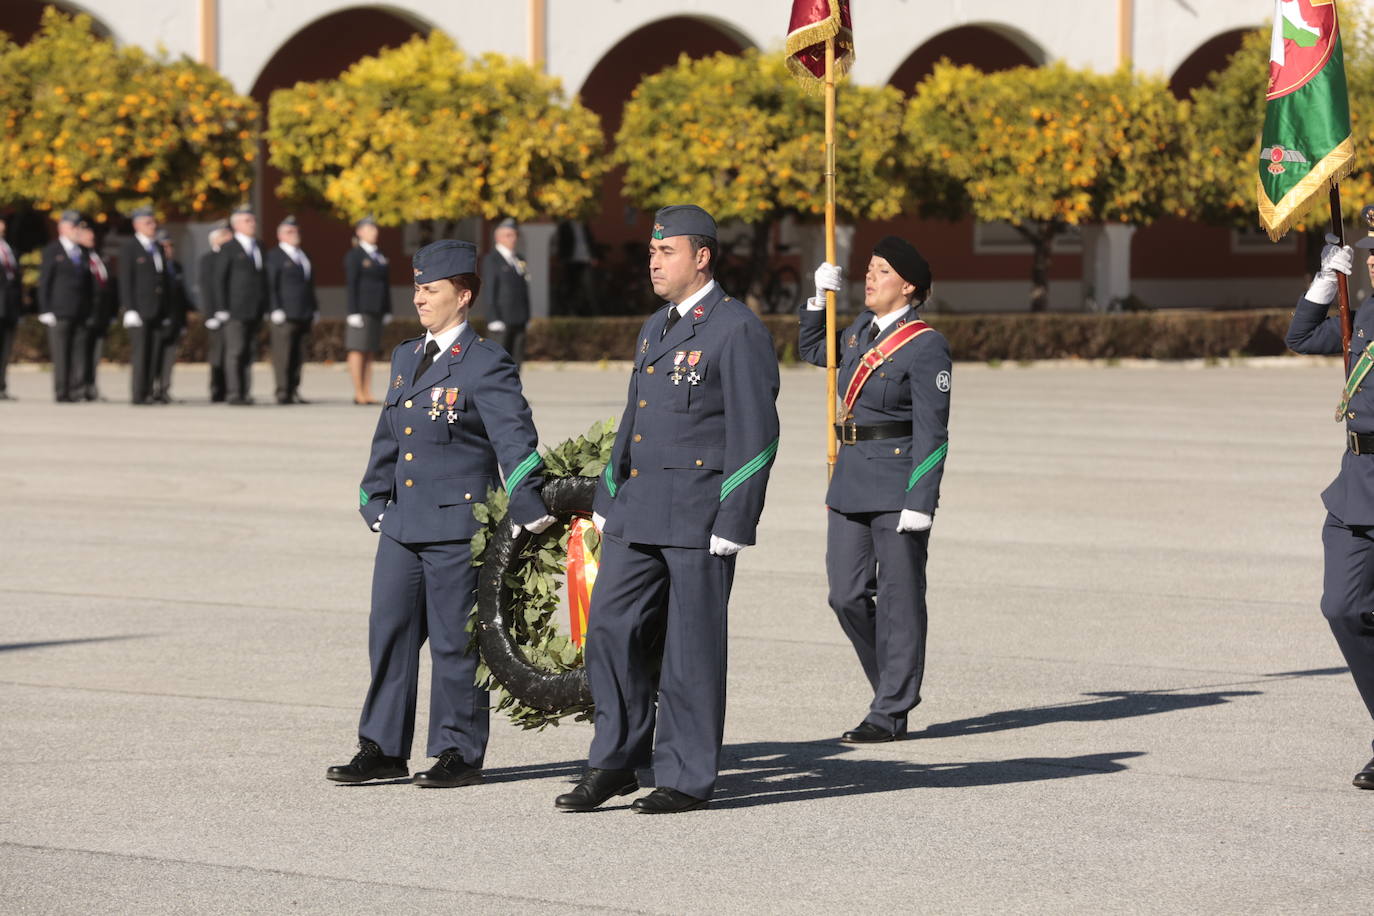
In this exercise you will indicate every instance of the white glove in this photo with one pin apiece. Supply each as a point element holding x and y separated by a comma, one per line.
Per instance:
<point>355,321</point>
<point>827,278</point>
<point>221,317</point>
<point>386,319</point>
<point>314,318</point>
<point>133,319</point>
<point>496,327</point>
<point>1335,260</point>
<point>720,547</point>
<point>212,323</point>
<point>49,319</point>
<point>538,526</point>
<point>599,521</point>
<point>278,316</point>
<point>912,521</point>
<point>377,525</point>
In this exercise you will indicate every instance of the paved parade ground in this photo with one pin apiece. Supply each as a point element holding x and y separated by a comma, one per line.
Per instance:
<point>1132,702</point>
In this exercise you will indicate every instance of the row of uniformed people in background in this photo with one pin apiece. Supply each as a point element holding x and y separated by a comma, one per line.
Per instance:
<point>682,494</point>
<point>239,287</point>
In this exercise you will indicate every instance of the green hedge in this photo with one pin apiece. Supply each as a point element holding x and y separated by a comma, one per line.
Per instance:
<point>1149,335</point>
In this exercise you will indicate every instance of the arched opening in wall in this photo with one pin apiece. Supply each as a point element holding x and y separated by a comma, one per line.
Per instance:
<point>1210,57</point>
<point>19,19</point>
<point>1183,263</point>
<point>323,50</point>
<point>619,232</point>
<point>978,267</point>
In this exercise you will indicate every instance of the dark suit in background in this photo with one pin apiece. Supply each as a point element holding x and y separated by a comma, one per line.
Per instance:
<point>173,330</point>
<point>507,294</point>
<point>66,291</point>
<point>241,286</point>
<point>291,289</point>
<point>144,289</point>
<point>214,336</point>
<point>11,305</point>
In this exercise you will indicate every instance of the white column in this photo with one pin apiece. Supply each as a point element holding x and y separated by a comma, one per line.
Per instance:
<point>537,241</point>
<point>1106,266</point>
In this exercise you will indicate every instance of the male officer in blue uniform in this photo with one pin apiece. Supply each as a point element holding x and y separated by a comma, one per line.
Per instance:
<point>291,296</point>
<point>506,278</point>
<point>11,301</point>
<point>455,422</point>
<point>66,299</point>
<point>240,280</point>
<point>681,496</point>
<point>1348,533</point>
<point>894,376</point>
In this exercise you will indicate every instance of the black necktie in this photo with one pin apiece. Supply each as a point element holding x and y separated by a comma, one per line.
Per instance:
<point>873,332</point>
<point>431,351</point>
<point>673,316</point>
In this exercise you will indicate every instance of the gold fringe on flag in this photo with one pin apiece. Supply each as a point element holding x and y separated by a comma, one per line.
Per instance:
<point>1277,219</point>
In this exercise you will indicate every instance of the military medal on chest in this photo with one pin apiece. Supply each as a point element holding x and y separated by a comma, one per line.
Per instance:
<point>400,380</point>
<point>434,408</point>
<point>693,358</point>
<point>678,359</point>
<point>451,398</point>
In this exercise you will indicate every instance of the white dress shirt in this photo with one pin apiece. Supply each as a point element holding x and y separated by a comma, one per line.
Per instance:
<point>512,259</point>
<point>444,340</point>
<point>296,255</point>
<point>686,304</point>
<point>151,246</point>
<point>250,245</point>
<point>371,251</point>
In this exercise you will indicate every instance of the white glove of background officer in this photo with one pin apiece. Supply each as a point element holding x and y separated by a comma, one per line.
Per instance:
<point>355,320</point>
<point>133,320</point>
<point>537,526</point>
<point>278,316</point>
<point>496,327</point>
<point>911,521</point>
<point>720,547</point>
<point>49,319</point>
<point>827,278</point>
<point>1335,259</point>
<point>221,317</point>
<point>212,323</point>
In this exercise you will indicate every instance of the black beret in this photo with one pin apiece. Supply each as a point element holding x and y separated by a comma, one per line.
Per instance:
<point>905,259</point>
<point>444,258</point>
<point>683,219</point>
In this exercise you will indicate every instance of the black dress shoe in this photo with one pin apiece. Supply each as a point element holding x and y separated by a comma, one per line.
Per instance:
<point>868,733</point>
<point>667,801</point>
<point>1365,778</point>
<point>368,763</point>
<point>450,772</point>
<point>595,787</point>
<point>297,399</point>
<point>240,402</point>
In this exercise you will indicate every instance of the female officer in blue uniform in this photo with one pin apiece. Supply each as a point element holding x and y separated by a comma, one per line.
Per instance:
<point>454,422</point>
<point>894,375</point>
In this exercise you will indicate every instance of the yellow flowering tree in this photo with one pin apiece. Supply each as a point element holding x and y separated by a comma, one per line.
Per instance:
<point>1043,148</point>
<point>423,132</point>
<point>737,135</point>
<point>105,129</point>
<point>1228,115</point>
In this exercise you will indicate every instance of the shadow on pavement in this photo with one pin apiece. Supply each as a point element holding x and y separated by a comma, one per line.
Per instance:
<point>1115,705</point>
<point>21,646</point>
<point>769,773</point>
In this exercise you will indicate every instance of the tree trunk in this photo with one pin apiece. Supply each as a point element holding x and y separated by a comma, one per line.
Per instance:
<point>1041,238</point>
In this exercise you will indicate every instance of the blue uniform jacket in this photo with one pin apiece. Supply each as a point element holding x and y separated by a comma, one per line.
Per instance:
<point>692,457</point>
<point>425,473</point>
<point>1351,495</point>
<point>886,475</point>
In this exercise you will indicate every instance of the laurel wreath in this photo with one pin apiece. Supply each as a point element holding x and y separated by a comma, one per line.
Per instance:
<point>535,578</point>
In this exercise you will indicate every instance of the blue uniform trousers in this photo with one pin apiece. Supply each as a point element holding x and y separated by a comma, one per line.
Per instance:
<point>682,592</point>
<point>1348,598</point>
<point>878,591</point>
<point>419,591</point>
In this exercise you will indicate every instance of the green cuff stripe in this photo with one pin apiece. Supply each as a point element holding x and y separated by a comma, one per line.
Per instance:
<point>926,466</point>
<point>362,497</point>
<point>522,470</point>
<point>749,470</point>
<point>610,480</point>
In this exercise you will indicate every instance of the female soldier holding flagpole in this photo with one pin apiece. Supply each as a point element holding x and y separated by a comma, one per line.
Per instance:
<point>894,376</point>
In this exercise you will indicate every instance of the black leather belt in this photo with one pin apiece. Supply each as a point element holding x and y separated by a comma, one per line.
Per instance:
<point>849,433</point>
<point>1359,443</point>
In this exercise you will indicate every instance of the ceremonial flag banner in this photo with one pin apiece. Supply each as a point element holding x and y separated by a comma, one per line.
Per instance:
<point>812,23</point>
<point>1306,147</point>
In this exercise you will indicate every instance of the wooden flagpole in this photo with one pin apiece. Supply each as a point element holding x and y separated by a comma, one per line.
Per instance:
<point>831,388</point>
<point>1342,281</point>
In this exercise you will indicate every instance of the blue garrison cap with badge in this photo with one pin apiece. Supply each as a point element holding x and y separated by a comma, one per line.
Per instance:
<point>70,216</point>
<point>683,219</point>
<point>444,258</point>
<point>143,213</point>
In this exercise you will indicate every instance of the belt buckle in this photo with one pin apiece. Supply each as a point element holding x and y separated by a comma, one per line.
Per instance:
<point>1353,440</point>
<point>849,433</point>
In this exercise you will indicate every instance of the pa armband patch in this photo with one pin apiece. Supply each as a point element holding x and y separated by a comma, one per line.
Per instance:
<point>942,380</point>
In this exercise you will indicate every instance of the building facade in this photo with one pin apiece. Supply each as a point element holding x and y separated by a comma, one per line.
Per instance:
<point>601,48</point>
